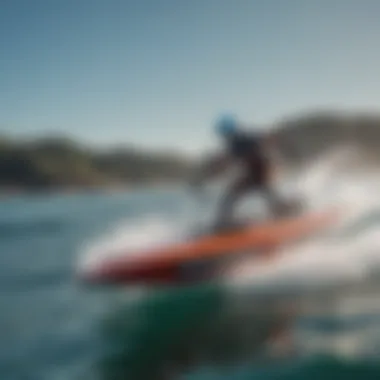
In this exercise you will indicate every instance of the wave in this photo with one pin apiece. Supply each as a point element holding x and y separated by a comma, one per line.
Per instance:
<point>348,253</point>
<point>47,226</point>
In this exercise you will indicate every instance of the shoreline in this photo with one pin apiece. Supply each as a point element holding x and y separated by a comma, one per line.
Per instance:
<point>14,192</point>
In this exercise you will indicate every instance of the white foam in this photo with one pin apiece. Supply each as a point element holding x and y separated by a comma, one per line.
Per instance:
<point>341,258</point>
<point>128,239</point>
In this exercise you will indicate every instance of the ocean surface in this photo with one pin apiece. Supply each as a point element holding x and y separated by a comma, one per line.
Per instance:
<point>314,314</point>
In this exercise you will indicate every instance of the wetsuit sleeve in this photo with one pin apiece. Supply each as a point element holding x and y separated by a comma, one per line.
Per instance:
<point>281,145</point>
<point>270,140</point>
<point>210,168</point>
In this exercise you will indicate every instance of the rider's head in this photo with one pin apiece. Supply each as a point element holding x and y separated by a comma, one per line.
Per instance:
<point>227,126</point>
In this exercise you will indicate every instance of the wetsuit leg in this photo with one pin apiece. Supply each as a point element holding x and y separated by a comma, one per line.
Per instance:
<point>258,178</point>
<point>233,194</point>
<point>262,179</point>
<point>277,205</point>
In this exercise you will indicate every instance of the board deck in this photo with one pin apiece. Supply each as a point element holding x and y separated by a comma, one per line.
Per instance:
<point>165,263</point>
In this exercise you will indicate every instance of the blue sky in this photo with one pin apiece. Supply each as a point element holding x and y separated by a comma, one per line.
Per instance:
<point>157,72</point>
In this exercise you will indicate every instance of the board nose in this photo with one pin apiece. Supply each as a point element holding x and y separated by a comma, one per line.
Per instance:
<point>114,273</point>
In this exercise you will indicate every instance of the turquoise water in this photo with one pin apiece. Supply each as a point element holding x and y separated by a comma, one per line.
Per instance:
<point>53,327</point>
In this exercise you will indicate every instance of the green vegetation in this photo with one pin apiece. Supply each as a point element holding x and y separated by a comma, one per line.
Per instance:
<point>60,163</point>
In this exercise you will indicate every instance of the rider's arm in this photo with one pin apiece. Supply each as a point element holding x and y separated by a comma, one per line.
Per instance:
<point>212,167</point>
<point>280,145</point>
<point>271,140</point>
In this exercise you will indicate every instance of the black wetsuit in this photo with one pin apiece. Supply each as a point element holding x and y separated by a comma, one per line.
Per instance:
<point>249,151</point>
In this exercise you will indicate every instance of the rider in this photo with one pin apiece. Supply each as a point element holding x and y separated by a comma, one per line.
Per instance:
<point>250,152</point>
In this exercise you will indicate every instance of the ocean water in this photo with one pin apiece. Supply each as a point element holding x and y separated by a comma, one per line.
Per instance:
<point>314,313</point>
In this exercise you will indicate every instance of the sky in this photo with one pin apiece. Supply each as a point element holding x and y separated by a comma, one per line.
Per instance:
<point>157,73</point>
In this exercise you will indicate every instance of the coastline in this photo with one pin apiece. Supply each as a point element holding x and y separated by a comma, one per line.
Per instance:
<point>15,192</point>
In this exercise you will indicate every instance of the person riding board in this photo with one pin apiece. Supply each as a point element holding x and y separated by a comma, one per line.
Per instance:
<point>251,152</point>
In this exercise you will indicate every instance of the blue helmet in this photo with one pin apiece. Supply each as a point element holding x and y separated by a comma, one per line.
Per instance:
<point>226,125</point>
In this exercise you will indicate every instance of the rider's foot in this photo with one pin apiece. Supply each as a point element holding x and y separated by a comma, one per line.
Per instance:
<point>282,207</point>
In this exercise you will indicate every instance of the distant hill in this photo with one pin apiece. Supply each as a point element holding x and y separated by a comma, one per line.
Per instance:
<point>61,163</point>
<point>304,137</point>
<point>57,163</point>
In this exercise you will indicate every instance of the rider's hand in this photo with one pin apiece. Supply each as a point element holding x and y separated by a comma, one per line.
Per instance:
<point>197,189</point>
